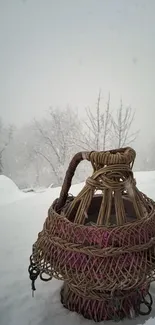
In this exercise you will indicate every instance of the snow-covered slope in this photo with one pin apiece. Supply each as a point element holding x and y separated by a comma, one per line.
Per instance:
<point>20,221</point>
<point>9,192</point>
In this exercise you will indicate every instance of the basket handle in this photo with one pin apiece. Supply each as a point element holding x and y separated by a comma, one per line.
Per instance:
<point>111,157</point>
<point>83,155</point>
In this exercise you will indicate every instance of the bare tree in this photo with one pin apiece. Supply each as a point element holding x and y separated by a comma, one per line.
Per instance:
<point>55,142</point>
<point>122,134</point>
<point>99,121</point>
<point>46,148</point>
<point>107,124</point>
<point>97,127</point>
<point>5,138</point>
<point>40,151</point>
<point>20,161</point>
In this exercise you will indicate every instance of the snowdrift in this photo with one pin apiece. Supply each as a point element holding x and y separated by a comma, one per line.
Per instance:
<point>9,192</point>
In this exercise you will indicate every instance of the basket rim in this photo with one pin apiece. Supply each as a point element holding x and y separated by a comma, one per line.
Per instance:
<point>137,222</point>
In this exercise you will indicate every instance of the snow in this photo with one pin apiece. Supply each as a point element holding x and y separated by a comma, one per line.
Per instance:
<point>146,182</point>
<point>9,192</point>
<point>20,221</point>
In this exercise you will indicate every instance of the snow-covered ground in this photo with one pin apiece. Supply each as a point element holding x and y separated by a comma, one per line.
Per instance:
<point>9,192</point>
<point>21,218</point>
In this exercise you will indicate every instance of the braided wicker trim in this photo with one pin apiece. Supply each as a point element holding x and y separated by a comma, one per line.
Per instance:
<point>102,309</point>
<point>112,157</point>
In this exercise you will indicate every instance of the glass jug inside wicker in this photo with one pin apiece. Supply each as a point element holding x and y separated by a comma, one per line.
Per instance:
<point>110,196</point>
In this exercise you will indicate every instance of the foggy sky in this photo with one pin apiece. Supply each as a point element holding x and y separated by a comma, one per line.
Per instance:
<point>62,52</point>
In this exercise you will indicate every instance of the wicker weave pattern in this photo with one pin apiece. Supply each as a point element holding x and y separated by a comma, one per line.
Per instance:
<point>97,258</point>
<point>103,309</point>
<point>111,259</point>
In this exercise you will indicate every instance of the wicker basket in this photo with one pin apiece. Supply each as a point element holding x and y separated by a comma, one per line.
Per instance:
<point>101,242</point>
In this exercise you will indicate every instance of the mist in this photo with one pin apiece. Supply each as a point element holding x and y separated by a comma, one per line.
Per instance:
<point>60,62</point>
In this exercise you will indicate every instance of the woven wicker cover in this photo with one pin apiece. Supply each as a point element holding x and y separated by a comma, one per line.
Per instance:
<point>101,242</point>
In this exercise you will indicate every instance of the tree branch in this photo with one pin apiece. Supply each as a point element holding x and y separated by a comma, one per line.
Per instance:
<point>48,160</point>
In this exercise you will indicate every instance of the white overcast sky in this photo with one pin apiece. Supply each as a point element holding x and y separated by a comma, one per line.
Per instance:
<point>59,52</point>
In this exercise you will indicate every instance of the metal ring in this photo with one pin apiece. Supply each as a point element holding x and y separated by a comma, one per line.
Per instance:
<point>143,313</point>
<point>147,304</point>
<point>45,279</point>
<point>145,301</point>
